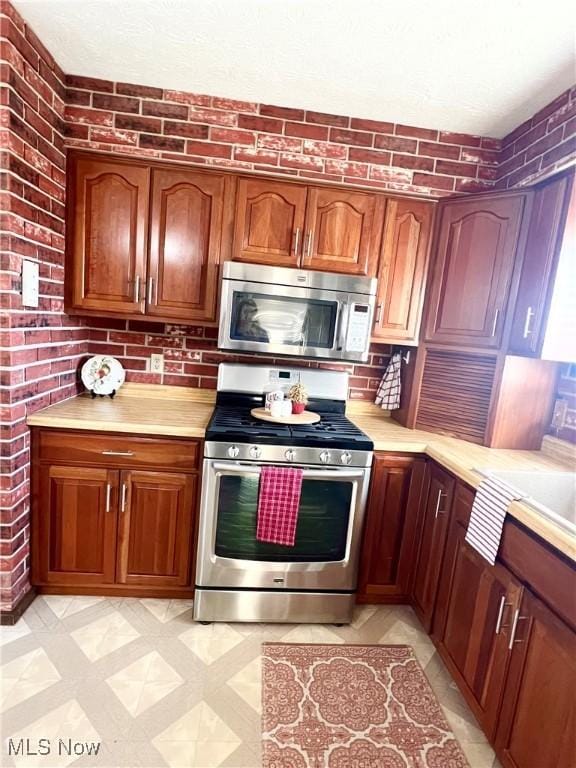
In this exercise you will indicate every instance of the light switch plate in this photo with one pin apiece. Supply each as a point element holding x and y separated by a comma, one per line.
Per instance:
<point>559,415</point>
<point>30,283</point>
<point>156,363</point>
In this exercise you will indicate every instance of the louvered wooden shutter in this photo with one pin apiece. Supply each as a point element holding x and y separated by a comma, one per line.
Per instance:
<point>455,393</point>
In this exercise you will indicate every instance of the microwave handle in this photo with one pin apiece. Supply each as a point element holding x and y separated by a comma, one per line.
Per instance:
<point>248,469</point>
<point>342,326</point>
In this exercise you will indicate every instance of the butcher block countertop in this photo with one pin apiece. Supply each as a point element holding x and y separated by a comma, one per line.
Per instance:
<point>178,412</point>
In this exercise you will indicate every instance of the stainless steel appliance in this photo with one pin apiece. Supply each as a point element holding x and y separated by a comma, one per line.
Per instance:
<point>295,312</point>
<point>241,579</point>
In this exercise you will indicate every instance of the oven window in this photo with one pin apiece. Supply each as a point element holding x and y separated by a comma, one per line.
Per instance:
<point>322,522</point>
<point>283,320</point>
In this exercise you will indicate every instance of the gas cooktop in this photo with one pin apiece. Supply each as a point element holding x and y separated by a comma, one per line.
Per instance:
<point>334,430</point>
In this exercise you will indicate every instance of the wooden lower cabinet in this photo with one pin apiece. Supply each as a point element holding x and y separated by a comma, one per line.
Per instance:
<point>390,528</point>
<point>437,506</point>
<point>110,528</point>
<point>537,726</point>
<point>154,529</point>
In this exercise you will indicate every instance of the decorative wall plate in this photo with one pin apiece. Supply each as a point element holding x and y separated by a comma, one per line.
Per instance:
<point>103,375</point>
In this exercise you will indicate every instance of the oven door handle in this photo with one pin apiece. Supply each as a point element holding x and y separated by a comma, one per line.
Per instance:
<point>246,469</point>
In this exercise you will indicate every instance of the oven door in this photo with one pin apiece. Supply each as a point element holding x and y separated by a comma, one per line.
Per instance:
<point>325,553</point>
<point>282,320</point>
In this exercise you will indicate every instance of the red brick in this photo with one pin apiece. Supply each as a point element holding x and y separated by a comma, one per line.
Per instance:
<point>395,143</point>
<point>304,131</point>
<point>390,174</point>
<point>464,139</point>
<point>529,169</point>
<point>213,116</point>
<point>115,103</point>
<point>417,133</point>
<point>435,182</point>
<point>456,169</point>
<point>490,143</point>
<point>357,138</point>
<point>480,156</point>
<point>301,161</point>
<point>530,136</point>
<point>562,115</point>
<point>89,83</point>
<point>161,109</point>
<point>136,123</point>
<point>323,118</point>
<point>358,170</point>
<point>517,132</point>
<point>280,143</point>
<point>88,116</point>
<point>433,149</point>
<point>472,185</point>
<point>511,165</point>
<point>488,173</point>
<point>370,156</point>
<point>552,107</point>
<point>544,144</point>
<point>284,113</point>
<point>325,149</point>
<point>416,163</point>
<point>209,149</point>
<point>161,142</point>
<point>81,98</point>
<point>233,105</point>
<point>195,99</point>
<point>265,124</point>
<point>562,150</point>
<point>190,130</point>
<point>371,125</point>
<point>111,136</point>
<point>232,136</point>
<point>77,131</point>
<point>256,155</point>
<point>142,91</point>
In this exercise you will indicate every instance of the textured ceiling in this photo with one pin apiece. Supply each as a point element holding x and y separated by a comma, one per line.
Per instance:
<point>459,65</point>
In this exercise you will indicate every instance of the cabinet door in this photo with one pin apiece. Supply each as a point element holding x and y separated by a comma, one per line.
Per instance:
<point>269,222</point>
<point>155,528</point>
<point>537,727</point>
<point>75,535</point>
<point>475,253</point>
<point>475,636</point>
<point>543,244</point>
<point>186,232</point>
<point>389,531</point>
<point>402,270</point>
<point>342,231</point>
<point>109,223</point>
<point>438,503</point>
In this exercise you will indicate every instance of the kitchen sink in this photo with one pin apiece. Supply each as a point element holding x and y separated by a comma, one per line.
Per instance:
<point>552,494</point>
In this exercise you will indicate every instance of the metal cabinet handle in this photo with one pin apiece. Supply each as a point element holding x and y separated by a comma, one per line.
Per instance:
<point>108,495</point>
<point>495,323</point>
<point>529,315</point>
<point>503,605</point>
<point>308,245</point>
<point>137,289</point>
<point>378,314</point>
<point>151,298</point>
<point>123,499</point>
<point>117,453</point>
<point>515,621</point>
<point>296,240</point>
<point>438,511</point>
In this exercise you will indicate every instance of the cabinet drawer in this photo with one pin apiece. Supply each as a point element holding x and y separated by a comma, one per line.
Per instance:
<point>97,448</point>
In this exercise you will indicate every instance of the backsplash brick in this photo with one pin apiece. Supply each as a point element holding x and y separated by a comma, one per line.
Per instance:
<point>567,391</point>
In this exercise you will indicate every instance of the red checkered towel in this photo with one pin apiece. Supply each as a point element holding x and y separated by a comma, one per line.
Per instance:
<point>278,503</point>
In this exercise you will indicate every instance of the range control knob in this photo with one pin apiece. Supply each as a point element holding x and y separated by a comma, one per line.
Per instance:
<point>325,457</point>
<point>233,451</point>
<point>290,454</point>
<point>346,457</point>
<point>255,452</point>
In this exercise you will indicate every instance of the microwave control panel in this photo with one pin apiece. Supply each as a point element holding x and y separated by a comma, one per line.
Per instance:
<point>358,328</point>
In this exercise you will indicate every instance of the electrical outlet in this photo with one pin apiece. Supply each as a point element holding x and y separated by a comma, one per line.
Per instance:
<point>559,415</point>
<point>156,363</point>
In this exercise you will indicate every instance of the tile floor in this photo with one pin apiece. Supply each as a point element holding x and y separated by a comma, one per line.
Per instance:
<point>158,690</point>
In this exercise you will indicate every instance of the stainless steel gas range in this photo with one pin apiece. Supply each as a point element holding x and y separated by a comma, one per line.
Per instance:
<point>241,579</point>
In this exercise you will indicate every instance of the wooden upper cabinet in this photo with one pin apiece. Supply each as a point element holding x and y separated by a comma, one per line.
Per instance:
<point>475,252</point>
<point>402,270</point>
<point>74,541</point>
<point>438,504</point>
<point>186,227</point>
<point>537,727</point>
<point>269,223</point>
<point>342,231</point>
<point>108,230</point>
<point>543,246</point>
<point>155,528</point>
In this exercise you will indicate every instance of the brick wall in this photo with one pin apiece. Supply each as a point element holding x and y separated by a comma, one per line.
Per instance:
<point>541,145</point>
<point>207,130</point>
<point>40,348</point>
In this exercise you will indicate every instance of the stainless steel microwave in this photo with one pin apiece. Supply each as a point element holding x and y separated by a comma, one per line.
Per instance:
<point>294,312</point>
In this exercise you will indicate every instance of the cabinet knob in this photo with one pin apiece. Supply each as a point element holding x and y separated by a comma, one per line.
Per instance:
<point>290,455</point>
<point>255,452</point>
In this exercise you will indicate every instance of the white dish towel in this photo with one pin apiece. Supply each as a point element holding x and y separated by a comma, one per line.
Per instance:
<point>491,503</point>
<point>388,395</point>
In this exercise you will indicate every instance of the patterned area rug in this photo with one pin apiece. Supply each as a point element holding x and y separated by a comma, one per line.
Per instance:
<point>351,706</point>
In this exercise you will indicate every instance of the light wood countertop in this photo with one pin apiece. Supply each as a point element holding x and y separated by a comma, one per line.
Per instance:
<point>178,412</point>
